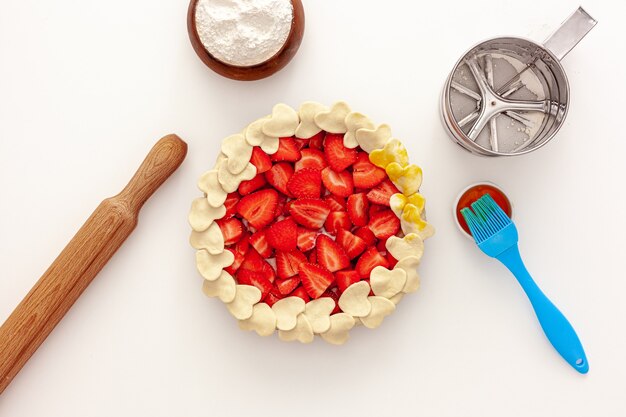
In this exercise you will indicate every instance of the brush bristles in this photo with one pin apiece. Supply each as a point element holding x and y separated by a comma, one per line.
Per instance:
<point>486,220</point>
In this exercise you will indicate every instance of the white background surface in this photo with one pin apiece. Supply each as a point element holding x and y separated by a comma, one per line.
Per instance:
<point>86,88</point>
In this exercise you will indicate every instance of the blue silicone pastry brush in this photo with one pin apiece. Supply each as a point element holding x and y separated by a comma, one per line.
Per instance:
<point>496,235</point>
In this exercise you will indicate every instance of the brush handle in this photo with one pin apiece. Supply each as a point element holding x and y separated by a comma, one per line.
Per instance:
<point>554,324</point>
<point>83,257</point>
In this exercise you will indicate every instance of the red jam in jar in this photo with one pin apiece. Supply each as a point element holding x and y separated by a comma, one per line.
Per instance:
<point>474,193</point>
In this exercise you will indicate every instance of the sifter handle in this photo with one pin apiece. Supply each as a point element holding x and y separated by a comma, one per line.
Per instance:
<point>567,36</point>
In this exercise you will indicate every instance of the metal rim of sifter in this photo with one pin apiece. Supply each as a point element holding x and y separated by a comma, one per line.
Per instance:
<point>509,96</point>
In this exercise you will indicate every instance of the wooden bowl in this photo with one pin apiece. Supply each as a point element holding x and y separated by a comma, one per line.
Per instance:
<point>253,72</point>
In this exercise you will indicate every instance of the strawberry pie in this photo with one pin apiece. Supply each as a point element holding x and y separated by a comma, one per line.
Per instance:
<point>311,223</point>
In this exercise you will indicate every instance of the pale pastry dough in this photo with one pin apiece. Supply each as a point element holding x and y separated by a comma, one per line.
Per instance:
<point>339,332</point>
<point>211,266</point>
<point>287,311</point>
<point>202,214</point>
<point>334,120</point>
<point>282,123</point>
<point>254,132</point>
<point>381,308</point>
<point>211,239</point>
<point>210,185</point>
<point>409,245</point>
<point>229,181</point>
<point>318,313</point>
<point>262,321</point>
<point>223,287</point>
<point>307,112</point>
<point>302,332</point>
<point>409,265</point>
<point>238,152</point>
<point>387,283</point>
<point>372,139</point>
<point>355,121</point>
<point>242,305</point>
<point>354,301</point>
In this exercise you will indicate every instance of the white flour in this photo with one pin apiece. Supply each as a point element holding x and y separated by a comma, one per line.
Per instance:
<point>243,32</point>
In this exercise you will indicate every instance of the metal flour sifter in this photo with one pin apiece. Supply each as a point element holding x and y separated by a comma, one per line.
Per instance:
<point>508,95</point>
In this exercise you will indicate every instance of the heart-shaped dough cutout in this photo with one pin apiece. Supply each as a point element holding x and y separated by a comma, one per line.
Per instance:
<point>397,298</point>
<point>287,310</point>
<point>409,245</point>
<point>340,326</point>
<point>372,139</point>
<point>334,120</point>
<point>223,287</point>
<point>238,152</point>
<point>303,332</point>
<point>386,283</point>
<point>229,181</point>
<point>202,214</point>
<point>282,123</point>
<point>211,239</point>
<point>254,132</point>
<point>242,306</point>
<point>262,320</point>
<point>354,299</point>
<point>211,266</point>
<point>318,313</point>
<point>393,151</point>
<point>409,266</point>
<point>307,112</point>
<point>210,185</point>
<point>408,179</point>
<point>381,308</point>
<point>411,221</point>
<point>270,146</point>
<point>355,121</point>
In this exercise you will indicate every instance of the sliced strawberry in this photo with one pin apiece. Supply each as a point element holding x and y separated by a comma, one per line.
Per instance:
<point>311,158</point>
<point>282,235</point>
<point>248,277</point>
<point>301,143</point>
<point>367,235</point>
<point>309,212</point>
<point>231,204</point>
<point>259,242</point>
<point>334,294</point>
<point>313,257</point>
<point>258,208</point>
<point>260,160</point>
<point>382,193</point>
<point>392,261</point>
<point>306,239</point>
<point>287,150</point>
<point>366,174</point>
<point>272,297</point>
<point>335,203</point>
<point>232,230</point>
<point>358,207</point>
<point>338,183</point>
<point>236,264</point>
<point>252,260</point>
<point>281,206</point>
<point>246,187</point>
<point>330,254</point>
<point>317,141</point>
<point>306,183</point>
<point>353,245</point>
<point>288,263</point>
<point>382,245</point>
<point>346,278</point>
<point>375,208</point>
<point>286,286</point>
<point>278,176</point>
<point>337,220</point>
<point>384,224</point>
<point>338,156</point>
<point>315,279</point>
<point>370,259</point>
<point>301,292</point>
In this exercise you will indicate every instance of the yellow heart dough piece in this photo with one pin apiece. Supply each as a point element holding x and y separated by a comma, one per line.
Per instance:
<point>393,151</point>
<point>408,179</point>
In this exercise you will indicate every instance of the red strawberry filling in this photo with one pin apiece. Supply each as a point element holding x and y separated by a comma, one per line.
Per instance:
<point>312,222</point>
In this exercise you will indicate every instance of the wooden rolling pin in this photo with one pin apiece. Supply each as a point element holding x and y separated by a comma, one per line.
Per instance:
<point>81,260</point>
